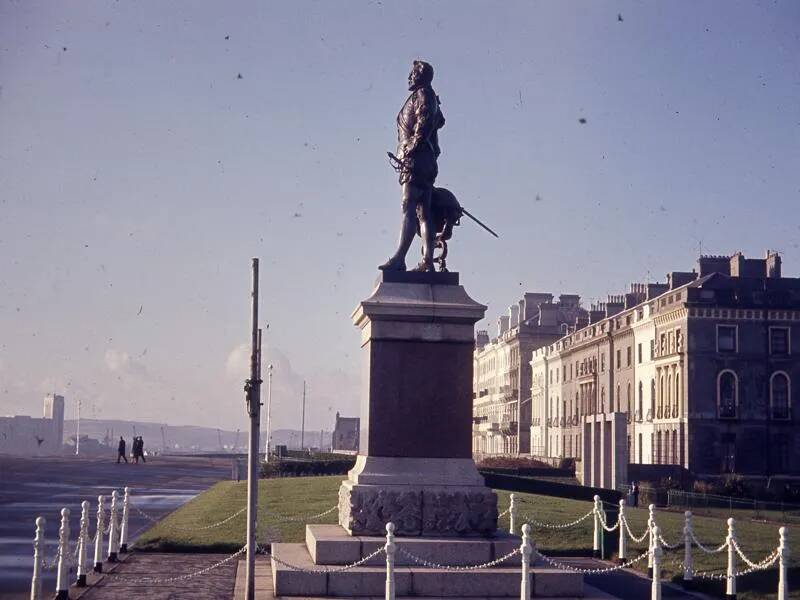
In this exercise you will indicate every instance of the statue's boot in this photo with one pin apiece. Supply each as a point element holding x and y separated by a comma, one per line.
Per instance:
<point>393,264</point>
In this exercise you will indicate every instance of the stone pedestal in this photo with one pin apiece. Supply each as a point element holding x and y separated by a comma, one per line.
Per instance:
<point>415,465</point>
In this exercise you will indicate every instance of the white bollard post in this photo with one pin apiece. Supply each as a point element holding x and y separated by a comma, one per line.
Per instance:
<point>656,552</point>
<point>512,515</point>
<point>688,567</point>
<point>783,564</point>
<point>391,548</point>
<point>730,578</point>
<point>123,536</point>
<point>38,559</point>
<point>526,549</point>
<point>651,523</point>
<point>83,541</point>
<point>113,534</point>
<point>98,536</point>
<point>596,541</point>
<point>623,539</point>
<point>62,575</point>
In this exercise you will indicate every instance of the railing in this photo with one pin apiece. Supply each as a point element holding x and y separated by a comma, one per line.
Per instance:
<point>111,540</point>
<point>714,504</point>
<point>658,547</point>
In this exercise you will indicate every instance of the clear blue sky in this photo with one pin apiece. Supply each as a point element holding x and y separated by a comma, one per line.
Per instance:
<point>139,174</point>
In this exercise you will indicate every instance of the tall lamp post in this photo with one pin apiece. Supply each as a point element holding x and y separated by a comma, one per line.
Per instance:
<point>269,412</point>
<point>252,388</point>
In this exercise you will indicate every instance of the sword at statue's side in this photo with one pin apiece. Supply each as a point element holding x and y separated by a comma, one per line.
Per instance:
<point>466,212</point>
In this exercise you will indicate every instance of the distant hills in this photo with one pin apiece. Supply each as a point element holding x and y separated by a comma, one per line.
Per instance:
<point>187,437</point>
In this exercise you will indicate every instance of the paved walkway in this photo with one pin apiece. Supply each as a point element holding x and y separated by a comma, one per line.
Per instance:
<point>125,580</point>
<point>30,487</point>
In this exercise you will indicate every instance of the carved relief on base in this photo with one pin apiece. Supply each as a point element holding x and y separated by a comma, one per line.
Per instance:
<point>459,513</point>
<point>365,510</point>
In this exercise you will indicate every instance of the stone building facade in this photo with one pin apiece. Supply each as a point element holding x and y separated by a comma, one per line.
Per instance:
<point>502,376</point>
<point>703,367</point>
<point>30,436</point>
<point>345,436</point>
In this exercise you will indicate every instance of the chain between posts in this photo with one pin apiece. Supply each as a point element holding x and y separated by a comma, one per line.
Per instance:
<point>604,524</point>
<point>542,525</point>
<point>427,563</point>
<point>770,560</point>
<point>263,550</point>
<point>198,528</point>
<point>598,571</point>
<point>708,550</point>
<point>636,539</point>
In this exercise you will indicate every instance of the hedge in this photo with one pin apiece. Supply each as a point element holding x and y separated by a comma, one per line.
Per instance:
<point>512,483</point>
<point>306,468</point>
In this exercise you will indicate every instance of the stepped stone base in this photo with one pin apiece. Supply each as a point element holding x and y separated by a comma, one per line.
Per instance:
<point>331,545</point>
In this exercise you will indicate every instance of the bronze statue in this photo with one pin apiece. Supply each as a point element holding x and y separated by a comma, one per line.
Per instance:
<point>428,211</point>
<point>418,124</point>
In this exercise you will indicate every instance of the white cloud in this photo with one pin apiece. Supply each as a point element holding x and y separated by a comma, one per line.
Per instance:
<point>116,360</point>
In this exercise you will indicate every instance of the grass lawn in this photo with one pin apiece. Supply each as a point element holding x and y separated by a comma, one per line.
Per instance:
<point>300,496</point>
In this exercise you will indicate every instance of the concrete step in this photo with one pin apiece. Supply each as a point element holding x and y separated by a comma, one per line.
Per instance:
<point>332,545</point>
<point>366,581</point>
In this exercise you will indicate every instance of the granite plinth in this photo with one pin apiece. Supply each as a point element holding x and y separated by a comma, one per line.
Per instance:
<point>415,464</point>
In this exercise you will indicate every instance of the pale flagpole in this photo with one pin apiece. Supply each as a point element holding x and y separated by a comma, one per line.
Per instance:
<point>269,413</point>
<point>253,398</point>
<point>78,431</point>
<point>303,419</point>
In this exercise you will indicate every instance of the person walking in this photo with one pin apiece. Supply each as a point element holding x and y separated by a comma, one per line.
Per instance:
<point>121,450</point>
<point>141,449</point>
<point>635,493</point>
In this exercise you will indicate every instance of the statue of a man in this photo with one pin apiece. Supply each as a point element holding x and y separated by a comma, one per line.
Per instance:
<point>418,124</point>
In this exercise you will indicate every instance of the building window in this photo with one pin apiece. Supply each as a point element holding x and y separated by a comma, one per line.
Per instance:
<point>727,392</point>
<point>639,353</point>
<point>652,348</point>
<point>628,352</point>
<point>602,363</point>
<point>677,406</point>
<point>641,402</point>
<point>619,358</point>
<point>619,401</point>
<point>728,452</point>
<point>652,398</point>
<point>779,395</point>
<point>630,400</point>
<point>726,338</point>
<point>778,340</point>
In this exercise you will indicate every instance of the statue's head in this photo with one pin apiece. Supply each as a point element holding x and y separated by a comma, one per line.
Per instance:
<point>421,75</point>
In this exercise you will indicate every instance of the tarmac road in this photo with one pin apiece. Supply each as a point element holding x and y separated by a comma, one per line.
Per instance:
<point>30,487</point>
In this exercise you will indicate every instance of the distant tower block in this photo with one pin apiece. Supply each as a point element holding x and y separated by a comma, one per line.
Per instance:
<point>54,409</point>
